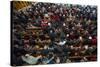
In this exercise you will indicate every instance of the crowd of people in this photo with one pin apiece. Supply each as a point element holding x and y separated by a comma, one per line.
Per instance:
<point>49,33</point>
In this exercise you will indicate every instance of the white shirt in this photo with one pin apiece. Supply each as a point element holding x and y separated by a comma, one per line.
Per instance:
<point>30,59</point>
<point>62,43</point>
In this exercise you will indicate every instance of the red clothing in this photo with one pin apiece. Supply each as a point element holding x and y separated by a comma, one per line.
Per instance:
<point>94,41</point>
<point>55,17</point>
<point>44,24</point>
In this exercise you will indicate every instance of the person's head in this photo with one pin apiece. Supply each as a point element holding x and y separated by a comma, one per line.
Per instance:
<point>50,55</point>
